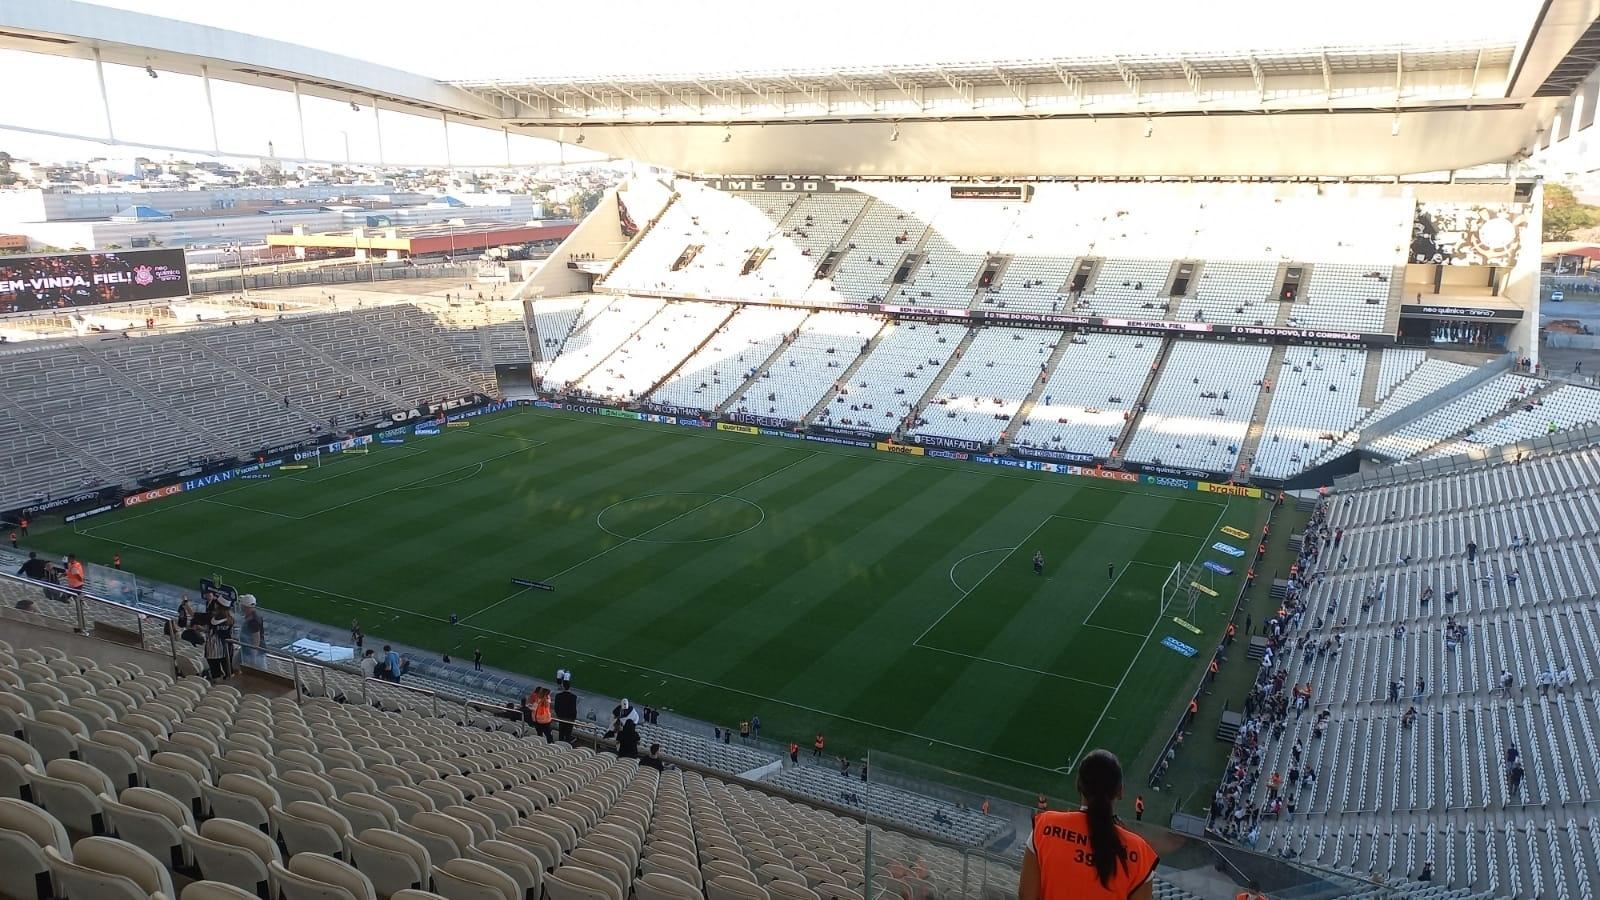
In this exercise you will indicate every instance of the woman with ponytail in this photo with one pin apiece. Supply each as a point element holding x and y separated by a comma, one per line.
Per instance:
<point>1086,855</point>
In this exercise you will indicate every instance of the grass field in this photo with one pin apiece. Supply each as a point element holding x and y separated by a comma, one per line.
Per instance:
<point>887,601</point>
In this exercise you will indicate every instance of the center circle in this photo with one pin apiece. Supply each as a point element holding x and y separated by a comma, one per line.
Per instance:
<point>658,515</point>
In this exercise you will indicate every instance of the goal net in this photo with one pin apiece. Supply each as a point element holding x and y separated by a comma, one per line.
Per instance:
<point>1185,588</point>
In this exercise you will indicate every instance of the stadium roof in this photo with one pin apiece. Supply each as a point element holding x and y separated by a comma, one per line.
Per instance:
<point>1354,110</point>
<point>1032,84</point>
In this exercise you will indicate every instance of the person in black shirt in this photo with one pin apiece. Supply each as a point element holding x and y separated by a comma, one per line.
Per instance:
<point>566,710</point>
<point>35,568</point>
<point>653,759</point>
<point>38,570</point>
<point>628,740</point>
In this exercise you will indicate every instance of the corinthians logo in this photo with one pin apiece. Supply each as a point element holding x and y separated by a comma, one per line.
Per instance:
<point>143,275</point>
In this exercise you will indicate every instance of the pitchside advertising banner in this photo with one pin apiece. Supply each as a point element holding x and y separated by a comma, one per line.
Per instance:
<point>67,280</point>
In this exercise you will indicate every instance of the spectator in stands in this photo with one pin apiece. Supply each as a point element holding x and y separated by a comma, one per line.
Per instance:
<point>369,664</point>
<point>653,758</point>
<point>37,570</point>
<point>628,740</point>
<point>254,629</point>
<point>357,638</point>
<point>391,663</point>
<point>542,712</point>
<point>219,632</point>
<point>565,706</point>
<point>1120,862</point>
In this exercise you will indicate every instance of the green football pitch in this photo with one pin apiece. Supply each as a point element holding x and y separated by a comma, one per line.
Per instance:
<point>887,601</point>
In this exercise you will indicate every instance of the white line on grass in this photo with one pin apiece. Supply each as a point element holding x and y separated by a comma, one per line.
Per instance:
<point>646,532</point>
<point>996,662</point>
<point>264,512</point>
<point>955,565</point>
<point>1134,661</point>
<point>526,641</point>
<point>918,641</point>
<point>353,469</point>
<point>889,459</point>
<point>1103,524</point>
<point>1129,564</point>
<point>411,485</point>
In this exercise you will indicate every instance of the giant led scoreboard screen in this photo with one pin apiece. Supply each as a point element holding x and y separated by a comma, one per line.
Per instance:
<point>67,280</point>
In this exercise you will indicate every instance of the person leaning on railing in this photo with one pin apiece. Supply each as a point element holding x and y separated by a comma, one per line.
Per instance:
<point>1085,854</point>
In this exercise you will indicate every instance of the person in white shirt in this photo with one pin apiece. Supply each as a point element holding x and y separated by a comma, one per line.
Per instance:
<point>369,665</point>
<point>1546,679</point>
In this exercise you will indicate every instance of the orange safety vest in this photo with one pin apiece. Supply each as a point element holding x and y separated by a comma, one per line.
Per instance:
<point>1066,872</point>
<point>1230,629</point>
<point>818,743</point>
<point>793,748</point>
<point>1213,667</point>
<point>1138,804</point>
<point>543,712</point>
<point>75,575</point>
<point>1194,706</point>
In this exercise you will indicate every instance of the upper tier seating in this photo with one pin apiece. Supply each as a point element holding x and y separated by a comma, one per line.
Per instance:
<point>825,347</point>
<point>1349,297</point>
<point>1087,401</point>
<point>988,384</point>
<point>1200,409</point>
<point>1315,399</point>
<point>884,236</point>
<point>1128,287</point>
<point>1399,601</point>
<point>743,344</point>
<point>886,388</point>
<point>1239,236</point>
<point>1234,293</point>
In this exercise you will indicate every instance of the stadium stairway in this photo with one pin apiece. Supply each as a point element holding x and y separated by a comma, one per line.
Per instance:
<point>761,370</point>
<point>1026,409</point>
<point>88,354</point>
<point>1391,313</point>
<point>849,372</point>
<point>193,340</point>
<point>334,363</point>
<point>730,310</point>
<point>1150,379</point>
<point>797,214</point>
<point>1287,309</point>
<point>61,442</point>
<point>938,381</point>
<point>1371,376</point>
<point>1258,416</point>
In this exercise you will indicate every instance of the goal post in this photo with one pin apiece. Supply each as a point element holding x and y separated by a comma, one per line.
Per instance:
<point>1185,587</point>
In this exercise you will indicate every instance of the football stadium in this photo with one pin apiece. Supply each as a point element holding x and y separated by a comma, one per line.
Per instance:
<point>816,514</point>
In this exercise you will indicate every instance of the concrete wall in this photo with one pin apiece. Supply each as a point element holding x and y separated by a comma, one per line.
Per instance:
<point>600,234</point>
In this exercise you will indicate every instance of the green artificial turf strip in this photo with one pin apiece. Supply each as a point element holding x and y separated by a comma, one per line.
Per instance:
<point>877,598</point>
